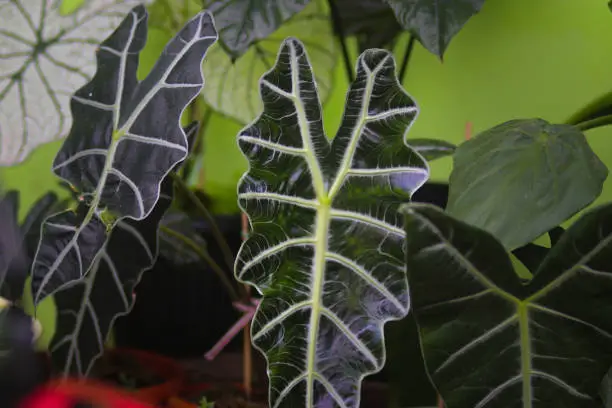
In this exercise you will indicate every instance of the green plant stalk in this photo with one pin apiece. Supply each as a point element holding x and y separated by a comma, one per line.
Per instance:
<point>339,31</point>
<point>202,253</point>
<point>406,60</point>
<point>595,123</point>
<point>227,252</point>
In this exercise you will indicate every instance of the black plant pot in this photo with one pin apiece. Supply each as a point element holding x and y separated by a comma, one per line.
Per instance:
<point>182,311</point>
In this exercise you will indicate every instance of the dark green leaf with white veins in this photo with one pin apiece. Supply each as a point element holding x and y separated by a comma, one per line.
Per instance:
<point>326,243</point>
<point>124,140</point>
<point>243,22</point>
<point>434,22</point>
<point>520,179</point>
<point>44,57</point>
<point>491,341</point>
<point>232,86</point>
<point>87,309</point>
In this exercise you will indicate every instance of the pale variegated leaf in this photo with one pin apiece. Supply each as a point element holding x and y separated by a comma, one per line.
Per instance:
<point>44,58</point>
<point>326,243</point>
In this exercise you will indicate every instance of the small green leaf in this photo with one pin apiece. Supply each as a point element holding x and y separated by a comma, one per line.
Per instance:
<point>372,22</point>
<point>326,243</point>
<point>520,179</point>
<point>125,138</point>
<point>244,22</point>
<point>434,22</point>
<point>432,149</point>
<point>491,341</point>
<point>232,86</point>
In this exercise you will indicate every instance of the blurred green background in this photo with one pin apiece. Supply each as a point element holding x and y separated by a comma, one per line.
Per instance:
<point>515,59</point>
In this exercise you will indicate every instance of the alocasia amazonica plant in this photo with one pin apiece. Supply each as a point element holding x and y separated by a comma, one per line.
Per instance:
<point>124,140</point>
<point>491,340</point>
<point>326,243</point>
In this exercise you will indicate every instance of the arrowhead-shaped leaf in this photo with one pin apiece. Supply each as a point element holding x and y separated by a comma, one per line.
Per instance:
<point>243,22</point>
<point>519,179</point>
<point>326,243</point>
<point>231,86</point>
<point>45,57</point>
<point>124,140</point>
<point>434,22</point>
<point>491,341</point>
<point>87,309</point>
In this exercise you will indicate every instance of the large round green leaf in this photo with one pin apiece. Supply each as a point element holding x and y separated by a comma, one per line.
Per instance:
<point>522,178</point>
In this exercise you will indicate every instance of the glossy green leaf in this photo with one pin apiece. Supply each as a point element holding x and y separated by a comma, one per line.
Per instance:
<point>519,179</point>
<point>434,22</point>
<point>372,22</point>
<point>244,22</point>
<point>87,309</point>
<point>491,341</point>
<point>232,86</point>
<point>432,149</point>
<point>45,57</point>
<point>326,243</point>
<point>125,138</point>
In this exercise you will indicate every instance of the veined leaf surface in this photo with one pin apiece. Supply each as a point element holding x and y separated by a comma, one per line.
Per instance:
<point>124,140</point>
<point>45,57</point>
<point>231,86</point>
<point>490,341</point>
<point>87,309</point>
<point>523,177</point>
<point>326,243</point>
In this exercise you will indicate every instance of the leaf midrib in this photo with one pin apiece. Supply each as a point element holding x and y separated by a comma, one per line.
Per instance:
<point>324,209</point>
